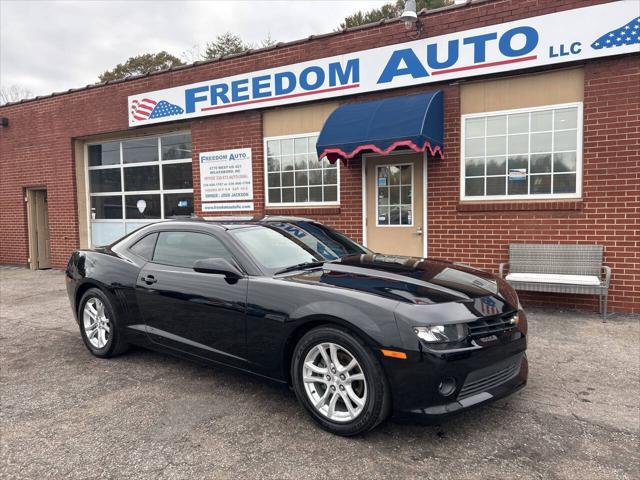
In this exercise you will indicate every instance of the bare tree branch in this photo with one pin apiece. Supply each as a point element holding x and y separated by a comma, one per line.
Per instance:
<point>14,93</point>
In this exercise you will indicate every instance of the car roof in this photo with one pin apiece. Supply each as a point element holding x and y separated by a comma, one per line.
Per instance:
<point>238,221</point>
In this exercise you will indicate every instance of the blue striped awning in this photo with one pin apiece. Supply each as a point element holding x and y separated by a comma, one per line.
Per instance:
<point>404,122</point>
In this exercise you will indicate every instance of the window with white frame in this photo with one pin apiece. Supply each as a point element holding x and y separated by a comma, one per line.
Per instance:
<point>522,154</point>
<point>295,176</point>
<point>394,187</point>
<point>135,181</point>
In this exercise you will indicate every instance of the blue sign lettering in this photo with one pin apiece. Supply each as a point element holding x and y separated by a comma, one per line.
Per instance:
<point>315,73</point>
<point>350,73</point>
<point>240,90</point>
<point>191,98</point>
<point>219,91</point>
<point>502,47</point>
<point>531,41</point>
<point>260,83</point>
<point>279,78</point>
<point>479,45</point>
<point>564,51</point>
<point>412,66</point>
<point>452,55</point>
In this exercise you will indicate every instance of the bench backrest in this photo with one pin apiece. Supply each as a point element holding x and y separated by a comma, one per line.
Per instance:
<point>556,259</point>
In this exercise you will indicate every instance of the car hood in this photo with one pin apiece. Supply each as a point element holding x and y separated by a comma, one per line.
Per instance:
<point>416,281</point>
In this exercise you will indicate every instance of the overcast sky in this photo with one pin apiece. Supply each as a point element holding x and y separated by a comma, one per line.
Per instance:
<point>51,46</point>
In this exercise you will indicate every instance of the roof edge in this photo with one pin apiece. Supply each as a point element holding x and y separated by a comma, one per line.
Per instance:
<point>198,63</point>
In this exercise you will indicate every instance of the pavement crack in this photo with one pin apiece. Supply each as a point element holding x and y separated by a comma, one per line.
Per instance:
<point>602,426</point>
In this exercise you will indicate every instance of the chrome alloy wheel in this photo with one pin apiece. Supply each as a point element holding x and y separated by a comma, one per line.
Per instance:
<point>97,327</point>
<point>334,382</point>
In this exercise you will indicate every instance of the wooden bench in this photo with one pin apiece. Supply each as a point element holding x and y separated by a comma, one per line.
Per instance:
<point>573,269</point>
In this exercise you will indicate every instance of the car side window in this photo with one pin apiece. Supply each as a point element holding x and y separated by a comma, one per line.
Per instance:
<point>182,249</point>
<point>144,247</point>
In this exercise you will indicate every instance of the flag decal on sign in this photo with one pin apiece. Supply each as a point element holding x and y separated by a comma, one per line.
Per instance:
<point>628,34</point>
<point>147,108</point>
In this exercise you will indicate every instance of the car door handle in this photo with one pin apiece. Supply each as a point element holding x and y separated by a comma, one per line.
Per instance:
<point>149,279</point>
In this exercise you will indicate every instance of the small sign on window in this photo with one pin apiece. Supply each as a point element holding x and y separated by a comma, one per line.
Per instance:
<point>517,174</point>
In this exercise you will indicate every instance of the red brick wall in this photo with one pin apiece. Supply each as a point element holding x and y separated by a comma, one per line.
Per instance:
<point>244,129</point>
<point>43,161</point>
<point>609,213</point>
<point>37,150</point>
<point>237,130</point>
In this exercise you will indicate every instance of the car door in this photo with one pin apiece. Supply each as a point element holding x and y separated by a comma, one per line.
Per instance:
<point>201,314</point>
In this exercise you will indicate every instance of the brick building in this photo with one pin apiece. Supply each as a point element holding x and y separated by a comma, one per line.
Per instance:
<point>539,127</point>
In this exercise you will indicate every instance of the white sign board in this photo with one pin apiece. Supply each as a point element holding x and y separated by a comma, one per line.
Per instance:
<point>567,36</point>
<point>228,207</point>
<point>226,175</point>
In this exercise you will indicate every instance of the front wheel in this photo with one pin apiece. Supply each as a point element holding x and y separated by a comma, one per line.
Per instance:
<point>339,381</point>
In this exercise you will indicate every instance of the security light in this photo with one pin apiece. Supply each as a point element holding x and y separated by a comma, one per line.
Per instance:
<point>409,15</point>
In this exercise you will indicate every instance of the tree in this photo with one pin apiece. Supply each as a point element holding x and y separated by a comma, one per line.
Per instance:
<point>268,41</point>
<point>192,54</point>
<point>388,11</point>
<point>14,93</point>
<point>374,15</point>
<point>225,44</point>
<point>140,65</point>
<point>229,44</point>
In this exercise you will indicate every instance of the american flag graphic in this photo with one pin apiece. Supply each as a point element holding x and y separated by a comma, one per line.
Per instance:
<point>487,306</point>
<point>628,34</point>
<point>146,109</point>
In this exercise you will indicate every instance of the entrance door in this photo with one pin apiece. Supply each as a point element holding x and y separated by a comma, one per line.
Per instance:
<point>394,206</point>
<point>39,247</point>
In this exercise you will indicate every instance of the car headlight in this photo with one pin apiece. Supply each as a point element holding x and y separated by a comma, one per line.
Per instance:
<point>521,322</point>
<point>453,332</point>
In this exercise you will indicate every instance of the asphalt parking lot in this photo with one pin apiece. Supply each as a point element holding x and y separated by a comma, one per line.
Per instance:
<point>66,414</point>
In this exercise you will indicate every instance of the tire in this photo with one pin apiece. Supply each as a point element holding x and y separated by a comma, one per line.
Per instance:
<point>105,340</point>
<point>372,391</point>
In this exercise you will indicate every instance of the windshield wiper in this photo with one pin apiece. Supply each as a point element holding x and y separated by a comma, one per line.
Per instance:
<point>301,266</point>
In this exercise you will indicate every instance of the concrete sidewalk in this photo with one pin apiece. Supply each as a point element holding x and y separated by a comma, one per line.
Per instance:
<point>66,414</point>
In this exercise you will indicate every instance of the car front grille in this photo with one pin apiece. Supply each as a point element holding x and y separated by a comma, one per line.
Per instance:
<point>490,377</point>
<point>491,326</point>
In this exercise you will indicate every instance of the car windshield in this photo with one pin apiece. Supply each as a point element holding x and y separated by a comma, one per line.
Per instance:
<point>323,240</point>
<point>274,249</point>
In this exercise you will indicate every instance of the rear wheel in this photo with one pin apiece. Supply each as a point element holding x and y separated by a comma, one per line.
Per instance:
<point>339,381</point>
<point>99,325</point>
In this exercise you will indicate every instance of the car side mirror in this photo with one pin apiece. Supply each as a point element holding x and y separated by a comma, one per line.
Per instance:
<point>218,266</point>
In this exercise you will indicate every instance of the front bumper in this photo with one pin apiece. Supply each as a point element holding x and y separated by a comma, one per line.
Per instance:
<point>481,376</point>
<point>436,413</point>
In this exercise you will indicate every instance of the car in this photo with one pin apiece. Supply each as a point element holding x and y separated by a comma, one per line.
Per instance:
<point>357,335</point>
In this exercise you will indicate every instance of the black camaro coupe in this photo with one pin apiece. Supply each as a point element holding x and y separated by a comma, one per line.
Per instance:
<point>356,334</point>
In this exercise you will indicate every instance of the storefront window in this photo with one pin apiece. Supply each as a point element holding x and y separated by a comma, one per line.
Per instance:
<point>142,206</point>
<point>146,177</point>
<point>177,176</point>
<point>106,207</point>
<point>176,147</point>
<point>522,154</point>
<point>136,181</point>
<point>394,185</point>
<point>105,180</point>
<point>140,150</point>
<point>295,176</point>
<point>104,154</point>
